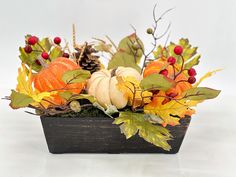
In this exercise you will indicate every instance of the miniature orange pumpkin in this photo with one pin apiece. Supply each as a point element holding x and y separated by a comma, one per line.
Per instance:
<point>49,78</point>
<point>158,65</point>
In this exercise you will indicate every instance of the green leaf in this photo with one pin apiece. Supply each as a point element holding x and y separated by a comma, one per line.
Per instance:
<point>30,59</point>
<point>75,76</point>
<point>111,109</point>
<point>201,93</point>
<point>65,95</point>
<point>45,44</point>
<point>153,118</point>
<point>123,59</point>
<point>126,45</point>
<point>20,100</point>
<point>132,123</point>
<point>160,52</point>
<point>55,53</point>
<point>192,62</point>
<point>188,50</point>
<point>156,82</point>
<point>83,96</point>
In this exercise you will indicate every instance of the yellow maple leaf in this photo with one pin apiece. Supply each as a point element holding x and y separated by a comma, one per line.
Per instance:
<point>25,86</point>
<point>171,111</point>
<point>132,90</point>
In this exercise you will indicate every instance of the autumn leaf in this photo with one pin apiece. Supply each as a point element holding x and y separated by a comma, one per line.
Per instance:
<point>133,123</point>
<point>20,100</point>
<point>188,50</point>
<point>25,90</point>
<point>171,111</point>
<point>192,62</point>
<point>132,90</point>
<point>160,52</point>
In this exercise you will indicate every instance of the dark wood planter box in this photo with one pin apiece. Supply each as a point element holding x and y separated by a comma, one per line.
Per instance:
<point>99,135</point>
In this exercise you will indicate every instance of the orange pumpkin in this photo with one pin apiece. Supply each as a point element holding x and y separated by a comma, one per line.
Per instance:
<point>49,78</point>
<point>158,65</point>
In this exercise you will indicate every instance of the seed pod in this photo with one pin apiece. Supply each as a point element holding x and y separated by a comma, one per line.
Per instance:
<point>150,31</point>
<point>75,106</point>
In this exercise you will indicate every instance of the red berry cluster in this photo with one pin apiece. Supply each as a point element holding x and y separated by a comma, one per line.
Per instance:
<point>178,50</point>
<point>33,40</point>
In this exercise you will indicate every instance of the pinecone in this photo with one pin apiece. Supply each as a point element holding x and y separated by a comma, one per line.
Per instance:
<point>88,60</point>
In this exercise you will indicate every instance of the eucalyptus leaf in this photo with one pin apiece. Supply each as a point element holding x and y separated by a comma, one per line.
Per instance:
<point>200,93</point>
<point>75,76</point>
<point>20,100</point>
<point>156,82</point>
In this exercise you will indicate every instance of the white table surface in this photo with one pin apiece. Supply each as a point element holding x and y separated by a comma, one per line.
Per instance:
<point>209,149</point>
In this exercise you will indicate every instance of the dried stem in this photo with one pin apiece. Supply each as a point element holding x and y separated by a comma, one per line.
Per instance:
<point>74,35</point>
<point>82,52</point>
<point>155,38</point>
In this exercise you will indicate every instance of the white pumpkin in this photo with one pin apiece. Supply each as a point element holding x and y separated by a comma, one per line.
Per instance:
<point>102,85</point>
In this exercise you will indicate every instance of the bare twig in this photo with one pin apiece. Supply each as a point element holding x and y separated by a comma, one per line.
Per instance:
<point>111,41</point>
<point>155,38</point>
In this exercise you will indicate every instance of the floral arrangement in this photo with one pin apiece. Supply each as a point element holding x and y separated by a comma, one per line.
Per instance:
<point>148,90</point>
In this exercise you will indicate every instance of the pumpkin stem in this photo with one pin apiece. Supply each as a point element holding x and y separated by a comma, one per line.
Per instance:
<point>42,62</point>
<point>113,72</point>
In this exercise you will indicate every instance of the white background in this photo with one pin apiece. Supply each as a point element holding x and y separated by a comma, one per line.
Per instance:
<point>209,148</point>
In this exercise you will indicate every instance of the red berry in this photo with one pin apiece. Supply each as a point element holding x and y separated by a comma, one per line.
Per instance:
<point>178,50</point>
<point>192,72</point>
<point>164,72</point>
<point>191,79</point>
<point>28,49</point>
<point>37,62</point>
<point>171,60</point>
<point>32,40</point>
<point>57,40</point>
<point>66,55</point>
<point>45,55</point>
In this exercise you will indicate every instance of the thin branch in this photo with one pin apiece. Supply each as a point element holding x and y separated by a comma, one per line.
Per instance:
<point>113,44</point>
<point>182,67</point>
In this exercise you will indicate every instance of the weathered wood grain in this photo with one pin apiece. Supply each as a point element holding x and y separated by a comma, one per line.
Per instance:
<point>99,135</point>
